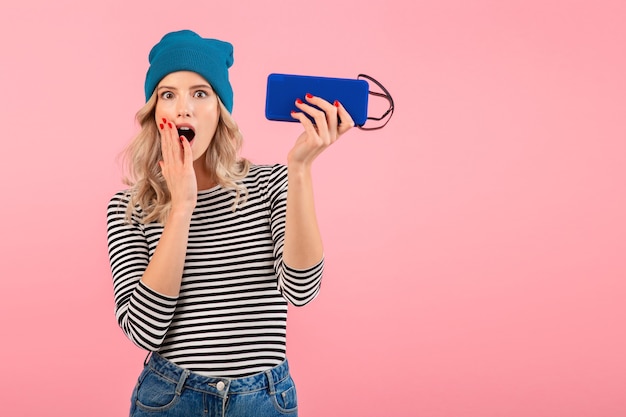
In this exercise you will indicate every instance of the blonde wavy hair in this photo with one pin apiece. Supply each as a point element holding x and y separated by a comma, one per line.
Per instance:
<point>148,190</point>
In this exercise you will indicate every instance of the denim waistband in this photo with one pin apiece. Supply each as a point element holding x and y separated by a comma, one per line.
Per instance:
<point>185,378</point>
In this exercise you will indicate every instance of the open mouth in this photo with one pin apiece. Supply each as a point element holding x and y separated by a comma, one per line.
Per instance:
<point>187,132</point>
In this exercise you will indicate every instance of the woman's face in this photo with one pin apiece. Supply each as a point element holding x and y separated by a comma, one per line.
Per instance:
<point>187,100</point>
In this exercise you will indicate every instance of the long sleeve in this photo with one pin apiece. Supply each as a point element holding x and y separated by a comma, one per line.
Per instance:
<point>143,314</point>
<point>298,286</point>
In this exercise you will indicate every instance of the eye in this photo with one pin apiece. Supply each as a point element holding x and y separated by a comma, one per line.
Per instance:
<point>200,94</point>
<point>167,95</point>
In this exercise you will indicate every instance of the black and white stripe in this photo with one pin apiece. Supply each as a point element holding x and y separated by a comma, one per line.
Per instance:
<point>230,317</point>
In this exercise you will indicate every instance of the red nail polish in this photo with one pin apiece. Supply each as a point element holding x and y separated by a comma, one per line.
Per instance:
<point>164,120</point>
<point>336,103</point>
<point>298,101</point>
<point>293,112</point>
<point>169,124</point>
<point>309,95</point>
<point>161,126</point>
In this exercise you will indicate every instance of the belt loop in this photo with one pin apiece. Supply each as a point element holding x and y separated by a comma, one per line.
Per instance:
<point>181,382</point>
<point>148,356</point>
<point>270,381</point>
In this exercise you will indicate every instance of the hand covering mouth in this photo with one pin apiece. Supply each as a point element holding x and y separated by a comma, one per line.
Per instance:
<point>187,132</point>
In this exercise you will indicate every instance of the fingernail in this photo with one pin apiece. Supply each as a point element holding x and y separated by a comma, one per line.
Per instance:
<point>298,101</point>
<point>309,95</point>
<point>293,112</point>
<point>161,126</point>
<point>164,120</point>
<point>169,124</point>
<point>336,103</point>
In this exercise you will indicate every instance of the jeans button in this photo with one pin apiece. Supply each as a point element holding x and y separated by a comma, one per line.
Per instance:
<point>220,386</point>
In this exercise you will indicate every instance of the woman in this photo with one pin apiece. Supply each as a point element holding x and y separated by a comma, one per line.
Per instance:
<point>206,249</point>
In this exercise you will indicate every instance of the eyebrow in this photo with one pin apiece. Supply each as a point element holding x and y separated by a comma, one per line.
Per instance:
<point>193,87</point>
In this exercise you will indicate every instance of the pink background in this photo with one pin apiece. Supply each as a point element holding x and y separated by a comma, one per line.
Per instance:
<point>475,247</point>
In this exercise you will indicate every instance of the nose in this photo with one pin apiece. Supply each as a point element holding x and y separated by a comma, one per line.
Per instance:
<point>183,108</point>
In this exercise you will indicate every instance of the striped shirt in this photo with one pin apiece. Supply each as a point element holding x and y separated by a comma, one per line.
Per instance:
<point>230,317</point>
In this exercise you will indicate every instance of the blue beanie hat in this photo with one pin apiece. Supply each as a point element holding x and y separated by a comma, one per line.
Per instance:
<point>187,51</point>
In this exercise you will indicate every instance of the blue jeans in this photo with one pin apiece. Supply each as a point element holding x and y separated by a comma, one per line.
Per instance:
<point>167,390</point>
